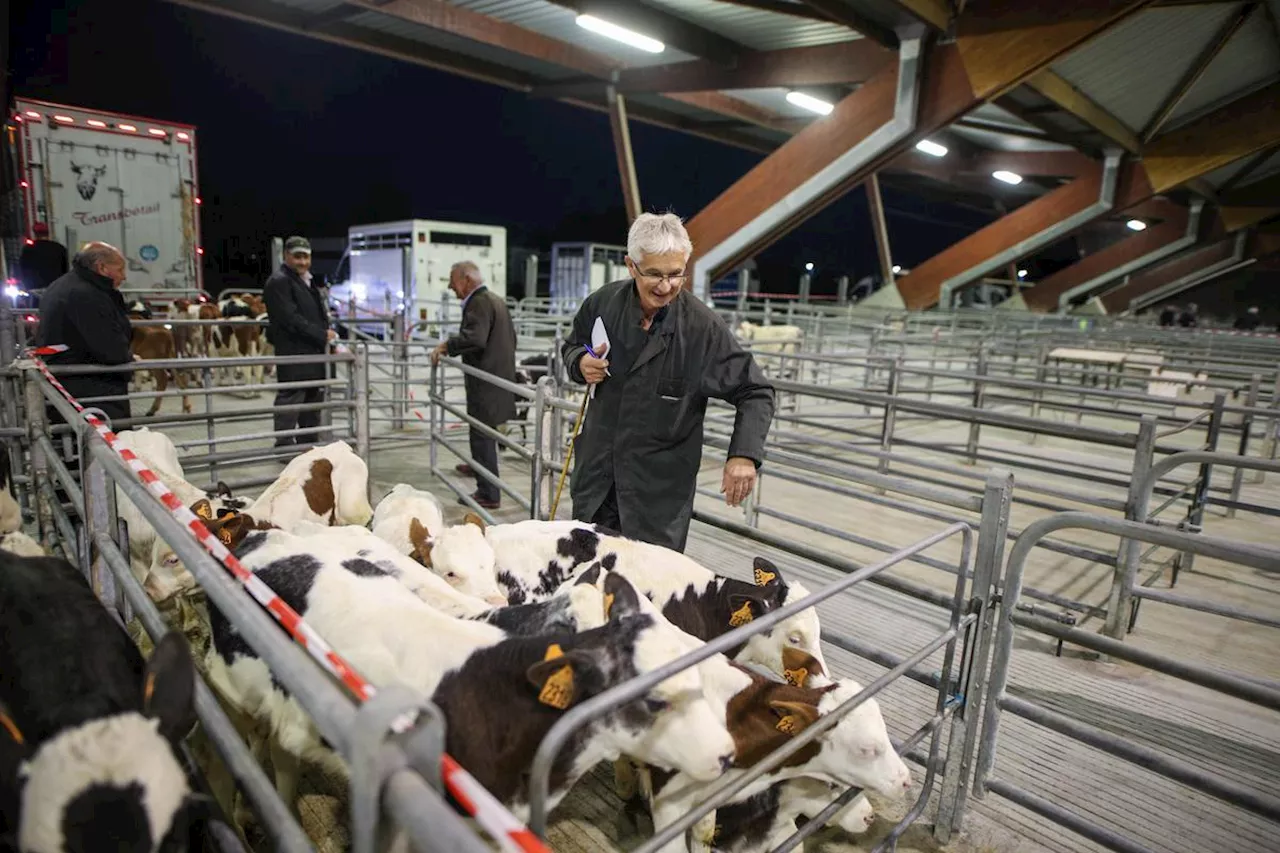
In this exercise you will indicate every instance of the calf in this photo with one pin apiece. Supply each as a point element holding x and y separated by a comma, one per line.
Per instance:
<point>762,822</point>
<point>771,339</point>
<point>10,512</point>
<point>534,557</point>
<point>88,733</point>
<point>17,542</point>
<point>500,694</point>
<point>412,521</point>
<point>156,342</point>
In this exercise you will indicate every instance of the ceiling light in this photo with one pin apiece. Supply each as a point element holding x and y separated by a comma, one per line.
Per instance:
<point>809,266</point>
<point>809,102</point>
<point>932,148</point>
<point>1007,177</point>
<point>1136,225</point>
<point>897,268</point>
<point>622,34</point>
<point>1022,273</point>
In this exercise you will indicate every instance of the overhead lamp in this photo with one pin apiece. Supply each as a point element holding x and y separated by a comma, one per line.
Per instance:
<point>1136,225</point>
<point>809,267</point>
<point>1022,273</point>
<point>622,34</point>
<point>897,268</point>
<point>931,148</point>
<point>809,102</point>
<point>1006,176</point>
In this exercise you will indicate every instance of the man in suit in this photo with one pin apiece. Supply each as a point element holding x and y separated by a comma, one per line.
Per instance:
<point>298,324</point>
<point>486,340</point>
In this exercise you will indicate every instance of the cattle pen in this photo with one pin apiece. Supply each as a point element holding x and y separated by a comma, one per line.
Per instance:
<point>1050,551</point>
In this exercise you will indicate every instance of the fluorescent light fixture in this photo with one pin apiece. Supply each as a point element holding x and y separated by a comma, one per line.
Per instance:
<point>809,266</point>
<point>93,122</point>
<point>897,268</point>
<point>1136,225</point>
<point>155,131</point>
<point>32,114</point>
<point>127,128</point>
<point>622,34</point>
<point>1007,177</point>
<point>64,119</point>
<point>809,102</point>
<point>1022,273</point>
<point>931,148</point>
<point>168,325</point>
<point>11,291</point>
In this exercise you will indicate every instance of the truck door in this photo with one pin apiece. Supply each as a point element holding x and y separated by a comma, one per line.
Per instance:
<point>159,230</point>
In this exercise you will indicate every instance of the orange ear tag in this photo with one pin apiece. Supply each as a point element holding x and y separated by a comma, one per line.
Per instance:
<point>204,511</point>
<point>225,535</point>
<point>608,604</point>
<point>796,677</point>
<point>787,724</point>
<point>741,616</point>
<point>763,577</point>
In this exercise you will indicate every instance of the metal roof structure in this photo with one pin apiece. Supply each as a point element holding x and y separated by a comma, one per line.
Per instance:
<point>1126,75</point>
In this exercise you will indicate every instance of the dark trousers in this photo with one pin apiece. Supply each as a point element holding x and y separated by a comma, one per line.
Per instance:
<point>484,451</point>
<point>607,515</point>
<point>297,420</point>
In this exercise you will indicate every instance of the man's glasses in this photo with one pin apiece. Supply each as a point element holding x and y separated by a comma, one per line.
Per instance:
<point>673,278</point>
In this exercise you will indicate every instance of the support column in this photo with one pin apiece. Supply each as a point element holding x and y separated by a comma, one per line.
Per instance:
<point>622,147</point>
<point>880,229</point>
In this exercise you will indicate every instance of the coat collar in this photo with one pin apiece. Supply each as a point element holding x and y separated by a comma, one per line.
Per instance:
<point>95,278</point>
<point>659,337</point>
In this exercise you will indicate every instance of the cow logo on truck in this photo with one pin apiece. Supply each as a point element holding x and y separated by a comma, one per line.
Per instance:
<point>87,179</point>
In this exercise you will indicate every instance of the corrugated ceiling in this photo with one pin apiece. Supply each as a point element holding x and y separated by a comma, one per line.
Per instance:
<point>1250,59</point>
<point>755,28</point>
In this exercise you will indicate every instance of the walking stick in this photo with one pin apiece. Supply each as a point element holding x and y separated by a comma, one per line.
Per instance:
<point>577,427</point>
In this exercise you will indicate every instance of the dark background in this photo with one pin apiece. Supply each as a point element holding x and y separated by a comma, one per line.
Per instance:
<point>299,136</point>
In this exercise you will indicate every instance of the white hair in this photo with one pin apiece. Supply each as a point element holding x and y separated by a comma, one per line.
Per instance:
<point>470,271</point>
<point>657,234</point>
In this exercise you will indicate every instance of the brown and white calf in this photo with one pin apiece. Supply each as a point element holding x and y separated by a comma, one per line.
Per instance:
<point>156,342</point>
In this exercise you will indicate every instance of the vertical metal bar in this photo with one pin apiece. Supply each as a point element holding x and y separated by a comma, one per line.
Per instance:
<point>1136,508</point>
<point>993,529</point>
<point>890,415</point>
<point>626,162</point>
<point>1195,516</point>
<point>399,372</point>
<point>36,424</point>
<point>535,463</point>
<point>206,380</point>
<point>744,286</point>
<point>979,393</point>
<point>360,383</point>
<point>880,230</point>
<point>99,518</point>
<point>1246,425</point>
<point>434,424</point>
<point>8,342</point>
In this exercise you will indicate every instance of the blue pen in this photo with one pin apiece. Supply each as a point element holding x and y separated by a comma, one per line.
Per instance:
<point>591,352</point>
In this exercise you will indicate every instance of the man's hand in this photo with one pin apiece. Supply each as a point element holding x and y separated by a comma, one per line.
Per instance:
<point>739,479</point>
<point>330,335</point>
<point>441,349</point>
<point>594,369</point>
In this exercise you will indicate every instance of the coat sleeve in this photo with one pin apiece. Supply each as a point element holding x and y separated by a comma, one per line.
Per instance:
<point>732,375</point>
<point>575,343</point>
<point>101,328</point>
<point>284,315</point>
<point>477,323</point>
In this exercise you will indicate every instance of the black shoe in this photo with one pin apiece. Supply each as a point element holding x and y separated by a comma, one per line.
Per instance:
<point>483,503</point>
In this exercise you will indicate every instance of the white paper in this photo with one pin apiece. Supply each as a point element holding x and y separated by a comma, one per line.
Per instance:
<point>599,340</point>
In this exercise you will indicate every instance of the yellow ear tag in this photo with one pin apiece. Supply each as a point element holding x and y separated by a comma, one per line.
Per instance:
<point>148,688</point>
<point>763,577</point>
<point>225,535</point>
<point>741,616</point>
<point>558,689</point>
<point>796,677</point>
<point>553,651</point>
<point>608,604</point>
<point>12,728</point>
<point>787,724</point>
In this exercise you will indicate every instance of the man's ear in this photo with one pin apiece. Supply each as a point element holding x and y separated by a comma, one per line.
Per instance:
<point>169,686</point>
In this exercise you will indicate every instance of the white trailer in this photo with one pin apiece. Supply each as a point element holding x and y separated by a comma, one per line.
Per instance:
<point>403,267</point>
<point>126,180</point>
<point>580,269</point>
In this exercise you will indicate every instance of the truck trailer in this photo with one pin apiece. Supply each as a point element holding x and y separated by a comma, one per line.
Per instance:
<point>126,180</point>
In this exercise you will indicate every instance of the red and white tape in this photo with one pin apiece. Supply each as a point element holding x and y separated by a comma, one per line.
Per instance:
<point>469,793</point>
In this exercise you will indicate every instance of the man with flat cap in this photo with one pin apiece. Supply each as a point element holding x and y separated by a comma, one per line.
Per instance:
<point>298,324</point>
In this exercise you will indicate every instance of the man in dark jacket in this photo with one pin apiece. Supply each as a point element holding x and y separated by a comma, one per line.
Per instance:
<point>43,261</point>
<point>1249,321</point>
<point>85,311</point>
<point>637,457</point>
<point>297,324</point>
<point>486,340</point>
<point>1168,316</point>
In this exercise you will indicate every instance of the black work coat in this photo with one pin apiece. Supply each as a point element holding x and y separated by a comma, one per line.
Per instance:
<point>643,430</point>
<point>297,324</point>
<point>84,311</point>
<point>487,340</point>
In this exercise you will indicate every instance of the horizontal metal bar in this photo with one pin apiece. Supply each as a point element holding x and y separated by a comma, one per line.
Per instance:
<point>198,363</point>
<point>1047,808</point>
<point>1242,613</point>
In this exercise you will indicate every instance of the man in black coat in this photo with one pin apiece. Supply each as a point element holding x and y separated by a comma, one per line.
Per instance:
<point>637,457</point>
<point>486,340</point>
<point>1249,321</point>
<point>42,262</point>
<point>85,311</point>
<point>297,324</point>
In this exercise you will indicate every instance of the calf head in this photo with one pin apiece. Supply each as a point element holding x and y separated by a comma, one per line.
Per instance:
<point>87,179</point>
<point>770,592</point>
<point>673,726</point>
<point>857,750</point>
<point>461,555</point>
<point>767,714</point>
<point>112,783</point>
<point>167,574</point>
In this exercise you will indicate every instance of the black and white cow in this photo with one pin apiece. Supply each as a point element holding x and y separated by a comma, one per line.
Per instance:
<point>494,688</point>
<point>88,732</point>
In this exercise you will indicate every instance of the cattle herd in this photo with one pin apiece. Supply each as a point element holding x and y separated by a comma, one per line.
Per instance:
<point>503,626</point>
<point>241,334</point>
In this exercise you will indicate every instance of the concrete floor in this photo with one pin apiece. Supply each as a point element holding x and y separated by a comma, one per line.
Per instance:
<point>1238,741</point>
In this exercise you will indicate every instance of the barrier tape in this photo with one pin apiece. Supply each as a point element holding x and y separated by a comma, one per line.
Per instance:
<point>466,790</point>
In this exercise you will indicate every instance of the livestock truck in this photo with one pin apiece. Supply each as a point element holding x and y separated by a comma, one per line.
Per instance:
<point>126,180</point>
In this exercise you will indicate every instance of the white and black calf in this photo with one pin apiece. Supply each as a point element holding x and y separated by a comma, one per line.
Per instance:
<point>500,694</point>
<point>88,732</point>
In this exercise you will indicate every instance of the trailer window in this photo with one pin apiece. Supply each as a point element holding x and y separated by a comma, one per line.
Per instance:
<point>456,239</point>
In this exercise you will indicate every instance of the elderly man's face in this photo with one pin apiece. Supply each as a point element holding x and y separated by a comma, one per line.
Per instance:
<point>659,279</point>
<point>113,268</point>
<point>299,262</point>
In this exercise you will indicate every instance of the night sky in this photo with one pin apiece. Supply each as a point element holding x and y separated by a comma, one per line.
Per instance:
<point>300,136</point>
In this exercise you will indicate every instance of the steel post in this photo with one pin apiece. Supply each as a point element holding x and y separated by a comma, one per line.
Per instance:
<point>539,409</point>
<point>37,428</point>
<point>1136,508</point>
<point>1195,515</point>
<point>979,394</point>
<point>1246,425</point>
<point>890,413</point>
<point>99,515</point>
<point>8,340</point>
<point>360,385</point>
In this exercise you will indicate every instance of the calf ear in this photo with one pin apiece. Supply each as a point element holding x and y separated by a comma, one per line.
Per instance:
<point>557,675</point>
<point>420,539</point>
<point>765,572</point>
<point>223,490</point>
<point>472,518</point>
<point>168,688</point>
<point>621,598</point>
<point>591,576</point>
<point>798,666</point>
<point>231,529</point>
<point>793,717</point>
<point>743,607</point>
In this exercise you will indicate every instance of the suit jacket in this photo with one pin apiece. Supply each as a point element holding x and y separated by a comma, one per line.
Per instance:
<point>487,340</point>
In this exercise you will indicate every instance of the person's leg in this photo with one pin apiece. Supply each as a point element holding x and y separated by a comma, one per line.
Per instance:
<point>286,420</point>
<point>607,514</point>
<point>484,450</point>
<point>310,419</point>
